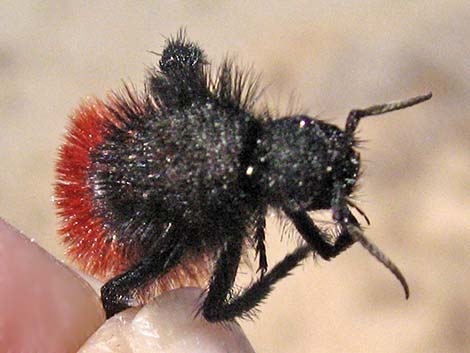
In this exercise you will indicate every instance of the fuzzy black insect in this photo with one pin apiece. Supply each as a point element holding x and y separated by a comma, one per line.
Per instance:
<point>189,170</point>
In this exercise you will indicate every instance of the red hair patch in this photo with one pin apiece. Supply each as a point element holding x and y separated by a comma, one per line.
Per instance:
<point>89,243</point>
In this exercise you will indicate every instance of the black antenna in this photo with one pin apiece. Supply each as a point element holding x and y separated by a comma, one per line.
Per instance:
<point>359,236</point>
<point>355,115</point>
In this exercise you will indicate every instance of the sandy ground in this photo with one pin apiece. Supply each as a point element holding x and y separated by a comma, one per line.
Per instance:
<point>333,56</point>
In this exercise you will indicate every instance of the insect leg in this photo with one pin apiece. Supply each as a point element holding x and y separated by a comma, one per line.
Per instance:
<point>350,233</point>
<point>313,235</point>
<point>229,308</point>
<point>215,305</point>
<point>260,246</point>
<point>117,292</point>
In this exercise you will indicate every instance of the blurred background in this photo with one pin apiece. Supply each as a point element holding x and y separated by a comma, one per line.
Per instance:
<point>324,57</point>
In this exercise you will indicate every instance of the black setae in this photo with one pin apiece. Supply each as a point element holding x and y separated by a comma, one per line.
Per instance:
<point>200,170</point>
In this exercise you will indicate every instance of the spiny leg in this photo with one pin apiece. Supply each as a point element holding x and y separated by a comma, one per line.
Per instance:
<point>313,235</point>
<point>214,307</point>
<point>227,306</point>
<point>350,233</point>
<point>258,291</point>
<point>260,247</point>
<point>117,292</point>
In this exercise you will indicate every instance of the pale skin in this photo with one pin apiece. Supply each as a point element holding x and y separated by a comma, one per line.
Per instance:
<point>46,307</point>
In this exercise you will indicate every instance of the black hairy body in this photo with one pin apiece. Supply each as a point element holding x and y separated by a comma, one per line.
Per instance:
<point>176,170</point>
<point>191,168</point>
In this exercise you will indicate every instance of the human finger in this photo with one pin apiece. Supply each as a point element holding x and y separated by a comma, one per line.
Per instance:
<point>169,324</point>
<point>44,306</point>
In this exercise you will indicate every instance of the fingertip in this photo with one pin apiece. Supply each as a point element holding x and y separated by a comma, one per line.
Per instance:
<point>44,306</point>
<point>168,325</point>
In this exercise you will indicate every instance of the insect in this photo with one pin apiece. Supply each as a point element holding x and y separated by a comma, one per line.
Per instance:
<point>170,187</point>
